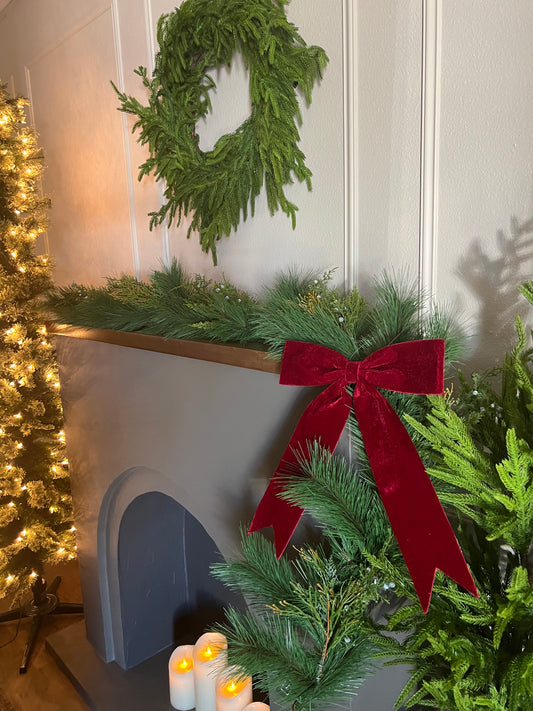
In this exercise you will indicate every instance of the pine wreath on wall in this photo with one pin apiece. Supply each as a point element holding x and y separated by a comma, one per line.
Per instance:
<point>217,185</point>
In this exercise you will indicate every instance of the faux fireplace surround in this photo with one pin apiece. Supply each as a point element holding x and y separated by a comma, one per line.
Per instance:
<point>171,445</point>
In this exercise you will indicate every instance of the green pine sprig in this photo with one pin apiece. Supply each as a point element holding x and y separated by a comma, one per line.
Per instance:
<point>304,638</point>
<point>346,505</point>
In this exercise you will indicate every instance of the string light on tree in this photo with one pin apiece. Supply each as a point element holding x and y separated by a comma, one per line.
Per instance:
<point>35,504</point>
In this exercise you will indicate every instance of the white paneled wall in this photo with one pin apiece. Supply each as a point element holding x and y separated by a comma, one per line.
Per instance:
<point>485,172</point>
<point>99,218</point>
<point>418,137</point>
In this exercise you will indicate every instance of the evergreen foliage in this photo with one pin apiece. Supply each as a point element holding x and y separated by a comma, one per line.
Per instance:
<point>171,305</point>
<point>304,638</point>
<point>218,186</point>
<point>35,503</point>
<point>470,653</point>
<point>300,306</point>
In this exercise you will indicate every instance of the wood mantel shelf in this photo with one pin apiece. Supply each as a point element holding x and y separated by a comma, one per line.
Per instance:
<point>240,356</point>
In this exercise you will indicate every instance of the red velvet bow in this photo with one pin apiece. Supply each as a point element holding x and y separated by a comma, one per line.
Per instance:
<point>423,532</point>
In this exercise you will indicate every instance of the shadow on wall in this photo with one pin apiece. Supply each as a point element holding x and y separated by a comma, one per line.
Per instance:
<point>495,281</point>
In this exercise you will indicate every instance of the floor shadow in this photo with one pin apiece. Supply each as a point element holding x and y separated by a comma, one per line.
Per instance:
<point>495,281</point>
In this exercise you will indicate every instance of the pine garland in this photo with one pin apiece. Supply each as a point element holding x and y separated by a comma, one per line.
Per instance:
<point>298,306</point>
<point>219,185</point>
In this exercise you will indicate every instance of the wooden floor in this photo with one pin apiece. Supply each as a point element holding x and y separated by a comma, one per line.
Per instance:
<point>44,687</point>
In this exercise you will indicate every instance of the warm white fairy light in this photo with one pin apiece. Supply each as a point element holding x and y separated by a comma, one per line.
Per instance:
<point>23,166</point>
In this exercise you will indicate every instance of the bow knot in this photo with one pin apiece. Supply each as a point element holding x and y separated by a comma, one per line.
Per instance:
<point>423,532</point>
<point>351,372</point>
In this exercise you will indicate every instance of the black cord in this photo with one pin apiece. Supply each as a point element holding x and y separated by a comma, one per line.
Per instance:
<point>9,641</point>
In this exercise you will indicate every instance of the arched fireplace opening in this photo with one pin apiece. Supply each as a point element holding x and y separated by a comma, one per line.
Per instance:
<point>154,560</point>
<point>167,595</point>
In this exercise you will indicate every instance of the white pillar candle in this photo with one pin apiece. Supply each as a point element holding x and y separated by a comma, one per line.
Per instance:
<point>210,659</point>
<point>257,706</point>
<point>233,691</point>
<point>181,678</point>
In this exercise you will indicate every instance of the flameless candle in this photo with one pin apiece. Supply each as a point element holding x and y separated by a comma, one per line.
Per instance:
<point>181,678</point>
<point>210,659</point>
<point>257,706</point>
<point>233,692</point>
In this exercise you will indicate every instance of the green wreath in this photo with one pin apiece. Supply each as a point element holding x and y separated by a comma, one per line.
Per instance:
<point>216,185</point>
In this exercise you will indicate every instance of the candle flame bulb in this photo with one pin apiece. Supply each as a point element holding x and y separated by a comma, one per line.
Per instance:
<point>233,690</point>
<point>210,658</point>
<point>185,665</point>
<point>181,678</point>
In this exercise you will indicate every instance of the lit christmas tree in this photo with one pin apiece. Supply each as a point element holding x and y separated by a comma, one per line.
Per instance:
<point>35,502</point>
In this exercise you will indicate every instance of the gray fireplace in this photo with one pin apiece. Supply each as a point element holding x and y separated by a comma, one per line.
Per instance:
<point>169,456</point>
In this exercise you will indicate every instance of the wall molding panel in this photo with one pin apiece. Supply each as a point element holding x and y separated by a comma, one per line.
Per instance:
<point>151,43</point>
<point>351,137</point>
<point>86,156</point>
<point>429,145</point>
<point>126,143</point>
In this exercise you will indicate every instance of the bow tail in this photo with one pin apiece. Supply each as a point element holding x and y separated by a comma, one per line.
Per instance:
<point>323,419</point>
<point>424,534</point>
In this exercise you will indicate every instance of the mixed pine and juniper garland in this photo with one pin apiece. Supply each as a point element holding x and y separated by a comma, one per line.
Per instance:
<point>300,305</point>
